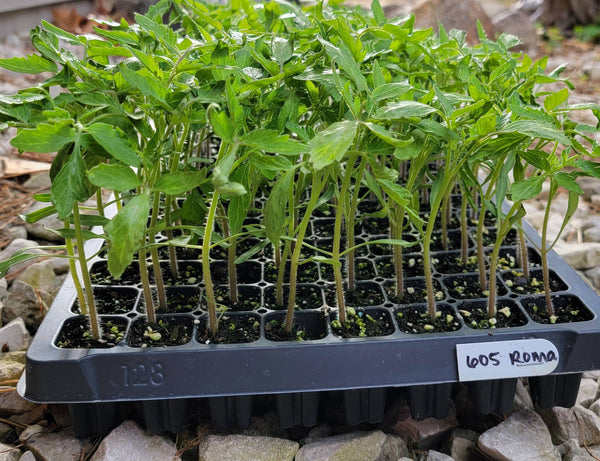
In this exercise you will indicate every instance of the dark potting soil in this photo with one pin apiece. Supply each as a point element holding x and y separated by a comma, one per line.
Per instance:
<point>365,294</point>
<point>416,320</point>
<point>190,273</point>
<point>177,301</point>
<point>489,237</point>
<point>308,296</point>
<point>249,298</point>
<point>516,281</point>
<point>323,227</point>
<point>100,276</point>
<point>164,332</point>
<point>414,292</point>
<point>111,300</point>
<point>469,288</point>
<point>76,334</point>
<point>275,331</point>
<point>478,318</point>
<point>232,330</point>
<point>375,226</point>
<point>453,264</point>
<point>453,241</point>
<point>361,323</point>
<point>567,309</point>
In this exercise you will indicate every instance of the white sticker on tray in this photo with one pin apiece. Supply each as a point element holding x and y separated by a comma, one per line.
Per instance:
<point>506,359</point>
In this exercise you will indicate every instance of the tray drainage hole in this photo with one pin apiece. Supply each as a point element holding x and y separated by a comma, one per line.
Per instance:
<point>262,310</point>
<point>262,284</point>
<point>388,305</point>
<point>379,279</point>
<point>451,300</point>
<point>513,296</point>
<point>321,283</point>
<point>198,312</point>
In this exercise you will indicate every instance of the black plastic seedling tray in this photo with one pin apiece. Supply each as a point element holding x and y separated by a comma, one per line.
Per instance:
<point>157,383</point>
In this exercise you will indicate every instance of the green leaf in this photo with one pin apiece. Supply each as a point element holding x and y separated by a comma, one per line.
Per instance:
<point>390,91</point>
<point>264,162</point>
<point>553,100</point>
<point>276,206</point>
<point>388,136</point>
<point>271,141</point>
<point>282,50</point>
<point>397,193</point>
<point>221,173</point>
<point>527,189</point>
<point>537,129</point>
<point>178,182</point>
<point>71,234</point>
<point>343,58</point>
<point>115,142</point>
<point>145,82</point>
<point>45,137</point>
<point>113,177</point>
<point>568,182</point>
<point>237,211</point>
<point>378,12</point>
<point>126,232</point>
<point>404,109</point>
<point>32,64</point>
<point>69,185</point>
<point>42,213</point>
<point>331,144</point>
<point>436,128</point>
<point>222,125</point>
<point>18,257</point>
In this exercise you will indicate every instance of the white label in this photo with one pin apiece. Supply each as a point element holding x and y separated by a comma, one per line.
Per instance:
<point>506,359</point>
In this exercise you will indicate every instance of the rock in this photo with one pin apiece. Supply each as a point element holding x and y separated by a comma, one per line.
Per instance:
<point>11,403</point>
<point>40,276</point>
<point>587,392</point>
<point>130,442</point>
<point>321,431</point>
<point>14,336</point>
<point>16,245</point>
<point>60,265</point>
<point>238,447</point>
<point>573,423</point>
<point>517,23</point>
<point>359,446</point>
<point>52,446</point>
<point>27,456</point>
<point>38,181</point>
<point>10,370</point>
<point>523,436</point>
<point>24,302</point>
<point>433,455</point>
<point>580,255</point>
<point>591,374</point>
<point>590,187</point>
<point>39,229</point>
<point>523,399</point>
<point>31,417</point>
<point>422,434</point>
<point>3,289</point>
<point>9,453</point>
<point>462,444</point>
<point>18,232</point>
<point>266,426</point>
<point>573,452</point>
<point>593,275</point>
<point>591,234</point>
<point>7,434</point>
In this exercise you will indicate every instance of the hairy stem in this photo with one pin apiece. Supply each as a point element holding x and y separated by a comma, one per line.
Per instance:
<point>213,324</point>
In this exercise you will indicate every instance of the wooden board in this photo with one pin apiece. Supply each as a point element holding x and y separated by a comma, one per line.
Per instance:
<point>11,167</point>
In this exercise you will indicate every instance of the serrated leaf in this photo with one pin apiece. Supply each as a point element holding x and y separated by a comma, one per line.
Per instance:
<point>44,138</point>
<point>178,182</point>
<point>282,50</point>
<point>271,141</point>
<point>115,142</point>
<point>537,129</point>
<point>145,82</point>
<point>69,186</point>
<point>32,64</point>
<point>388,136</point>
<point>222,125</point>
<point>436,128</point>
<point>344,59</point>
<point>125,233</point>
<point>113,177</point>
<point>331,144</point>
<point>553,100</point>
<point>568,182</point>
<point>275,209</point>
<point>526,189</point>
<point>378,12</point>
<point>390,91</point>
<point>404,109</point>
